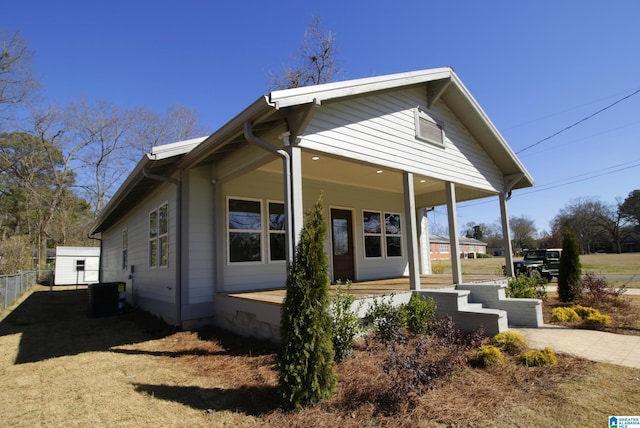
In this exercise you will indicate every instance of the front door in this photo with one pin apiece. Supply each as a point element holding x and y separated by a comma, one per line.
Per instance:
<point>342,245</point>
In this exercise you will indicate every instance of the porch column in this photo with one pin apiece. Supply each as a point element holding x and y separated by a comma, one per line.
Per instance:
<point>296,210</point>
<point>425,244</point>
<point>412,232</point>
<point>506,235</point>
<point>454,239</point>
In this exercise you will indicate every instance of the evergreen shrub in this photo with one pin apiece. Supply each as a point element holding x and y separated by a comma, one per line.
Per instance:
<point>419,314</point>
<point>345,322</point>
<point>597,319</point>
<point>562,314</point>
<point>510,342</point>
<point>386,319</point>
<point>437,268</point>
<point>527,286</point>
<point>538,358</point>
<point>488,356</point>
<point>305,360</point>
<point>570,269</point>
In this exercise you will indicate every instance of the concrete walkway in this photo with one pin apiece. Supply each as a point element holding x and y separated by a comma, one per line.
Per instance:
<point>593,345</point>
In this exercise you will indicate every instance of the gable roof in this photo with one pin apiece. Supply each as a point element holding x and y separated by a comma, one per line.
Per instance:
<point>441,83</point>
<point>273,109</point>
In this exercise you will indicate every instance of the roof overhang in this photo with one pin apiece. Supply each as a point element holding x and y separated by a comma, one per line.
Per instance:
<point>160,161</point>
<point>278,107</point>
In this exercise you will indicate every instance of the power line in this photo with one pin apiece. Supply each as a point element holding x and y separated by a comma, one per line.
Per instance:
<point>559,183</point>
<point>578,122</point>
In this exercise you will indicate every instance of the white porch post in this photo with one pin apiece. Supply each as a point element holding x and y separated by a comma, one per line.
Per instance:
<point>454,239</point>
<point>506,234</point>
<point>425,244</point>
<point>296,210</point>
<point>412,232</point>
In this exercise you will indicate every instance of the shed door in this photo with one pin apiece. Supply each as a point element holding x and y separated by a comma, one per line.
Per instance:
<point>342,245</point>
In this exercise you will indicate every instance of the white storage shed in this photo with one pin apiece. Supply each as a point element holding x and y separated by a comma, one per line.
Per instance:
<point>77,265</point>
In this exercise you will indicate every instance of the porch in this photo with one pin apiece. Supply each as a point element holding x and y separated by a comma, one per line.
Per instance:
<point>368,289</point>
<point>479,301</point>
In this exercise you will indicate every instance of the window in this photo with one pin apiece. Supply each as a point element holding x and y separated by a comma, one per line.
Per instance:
<point>393,234</point>
<point>80,265</point>
<point>375,235</point>
<point>444,248</point>
<point>428,129</point>
<point>372,234</point>
<point>159,236</point>
<point>124,249</point>
<point>245,230</point>
<point>277,245</point>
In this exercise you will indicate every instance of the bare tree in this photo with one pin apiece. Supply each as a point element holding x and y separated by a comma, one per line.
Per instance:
<point>151,129</point>
<point>99,142</point>
<point>523,230</point>
<point>17,83</point>
<point>595,223</point>
<point>315,63</point>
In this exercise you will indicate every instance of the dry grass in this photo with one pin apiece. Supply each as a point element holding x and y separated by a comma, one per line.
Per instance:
<point>626,265</point>
<point>624,312</point>
<point>59,368</point>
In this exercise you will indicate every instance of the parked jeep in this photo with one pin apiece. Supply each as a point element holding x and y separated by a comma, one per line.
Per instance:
<point>545,261</point>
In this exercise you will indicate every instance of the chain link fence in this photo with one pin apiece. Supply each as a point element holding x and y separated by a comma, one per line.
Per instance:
<point>14,286</point>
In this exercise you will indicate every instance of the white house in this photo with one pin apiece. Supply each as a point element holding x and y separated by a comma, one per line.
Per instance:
<point>77,265</point>
<point>199,220</point>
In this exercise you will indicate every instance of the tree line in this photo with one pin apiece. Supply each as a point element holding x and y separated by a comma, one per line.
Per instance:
<point>597,226</point>
<point>59,165</point>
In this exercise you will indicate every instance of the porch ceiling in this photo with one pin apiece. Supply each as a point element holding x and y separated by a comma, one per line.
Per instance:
<point>429,191</point>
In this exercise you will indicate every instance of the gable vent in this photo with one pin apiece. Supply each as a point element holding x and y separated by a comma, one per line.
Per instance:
<point>427,129</point>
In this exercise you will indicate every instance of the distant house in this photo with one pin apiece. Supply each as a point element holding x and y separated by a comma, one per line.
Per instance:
<point>630,243</point>
<point>469,247</point>
<point>77,265</point>
<point>199,221</point>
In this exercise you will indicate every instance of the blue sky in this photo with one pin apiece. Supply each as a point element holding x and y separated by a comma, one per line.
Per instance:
<point>534,67</point>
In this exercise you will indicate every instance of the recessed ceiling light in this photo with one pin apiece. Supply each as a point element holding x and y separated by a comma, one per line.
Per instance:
<point>315,158</point>
<point>379,171</point>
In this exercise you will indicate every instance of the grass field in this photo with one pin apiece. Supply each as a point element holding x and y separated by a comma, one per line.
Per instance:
<point>59,368</point>
<point>626,265</point>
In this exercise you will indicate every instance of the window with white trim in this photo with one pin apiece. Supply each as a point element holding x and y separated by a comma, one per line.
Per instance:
<point>277,242</point>
<point>428,129</point>
<point>444,248</point>
<point>124,249</point>
<point>377,236</point>
<point>244,230</point>
<point>393,234</point>
<point>159,236</point>
<point>372,228</point>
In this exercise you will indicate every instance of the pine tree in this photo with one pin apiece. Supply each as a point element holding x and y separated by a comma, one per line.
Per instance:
<point>570,269</point>
<point>306,358</point>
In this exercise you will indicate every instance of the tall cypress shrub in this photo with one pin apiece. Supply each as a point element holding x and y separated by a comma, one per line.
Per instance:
<point>570,269</point>
<point>306,358</point>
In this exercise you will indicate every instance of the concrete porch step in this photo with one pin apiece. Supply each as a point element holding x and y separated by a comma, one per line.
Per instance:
<point>466,315</point>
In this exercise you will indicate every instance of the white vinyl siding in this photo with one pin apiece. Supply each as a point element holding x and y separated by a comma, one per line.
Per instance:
<point>381,130</point>
<point>157,285</point>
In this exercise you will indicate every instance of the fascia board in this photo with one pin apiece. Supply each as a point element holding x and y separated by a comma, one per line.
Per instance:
<point>327,91</point>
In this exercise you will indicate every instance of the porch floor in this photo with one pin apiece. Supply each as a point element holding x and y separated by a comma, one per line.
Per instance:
<point>364,289</point>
